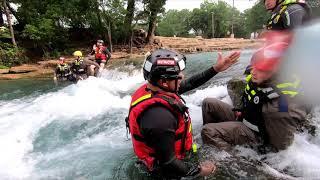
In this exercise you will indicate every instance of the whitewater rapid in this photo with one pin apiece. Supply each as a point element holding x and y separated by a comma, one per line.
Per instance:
<point>79,131</point>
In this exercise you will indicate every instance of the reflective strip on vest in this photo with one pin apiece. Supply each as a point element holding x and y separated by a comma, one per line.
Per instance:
<point>253,92</point>
<point>251,126</point>
<point>141,99</point>
<point>273,95</point>
<point>291,93</point>
<point>194,148</point>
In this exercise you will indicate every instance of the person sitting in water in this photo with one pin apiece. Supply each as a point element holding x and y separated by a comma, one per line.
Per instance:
<point>81,67</point>
<point>101,55</point>
<point>159,120</point>
<point>272,110</point>
<point>63,72</point>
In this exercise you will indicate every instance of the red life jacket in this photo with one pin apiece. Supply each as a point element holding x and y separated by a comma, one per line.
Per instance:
<point>99,53</point>
<point>141,100</point>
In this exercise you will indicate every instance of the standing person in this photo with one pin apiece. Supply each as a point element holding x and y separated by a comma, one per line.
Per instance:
<point>287,14</point>
<point>63,72</point>
<point>101,55</point>
<point>272,110</point>
<point>81,67</point>
<point>159,120</point>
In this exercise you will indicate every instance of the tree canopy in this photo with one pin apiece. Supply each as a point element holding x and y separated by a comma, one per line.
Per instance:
<point>47,26</point>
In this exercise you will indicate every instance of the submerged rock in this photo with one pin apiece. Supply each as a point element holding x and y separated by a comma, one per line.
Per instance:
<point>235,90</point>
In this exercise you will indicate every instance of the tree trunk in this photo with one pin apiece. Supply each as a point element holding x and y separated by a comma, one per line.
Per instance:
<point>129,18</point>
<point>1,17</point>
<point>131,41</point>
<point>6,11</point>
<point>152,26</point>
<point>110,37</point>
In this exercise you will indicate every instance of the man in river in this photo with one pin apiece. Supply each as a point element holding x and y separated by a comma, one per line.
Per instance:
<point>159,120</point>
<point>81,67</point>
<point>287,14</point>
<point>63,72</point>
<point>272,110</point>
<point>101,55</point>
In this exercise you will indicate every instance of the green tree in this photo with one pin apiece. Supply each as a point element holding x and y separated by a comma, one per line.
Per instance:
<point>175,23</point>
<point>256,17</point>
<point>153,8</point>
<point>199,21</point>
<point>7,13</point>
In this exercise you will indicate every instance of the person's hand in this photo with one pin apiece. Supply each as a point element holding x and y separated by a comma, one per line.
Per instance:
<point>55,81</point>
<point>207,168</point>
<point>224,63</point>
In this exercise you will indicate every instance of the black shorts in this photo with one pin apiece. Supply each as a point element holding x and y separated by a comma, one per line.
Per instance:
<point>100,61</point>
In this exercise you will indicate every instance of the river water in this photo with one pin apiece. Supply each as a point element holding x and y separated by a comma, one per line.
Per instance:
<point>77,131</point>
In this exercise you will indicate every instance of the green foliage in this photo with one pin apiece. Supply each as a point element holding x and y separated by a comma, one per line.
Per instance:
<point>175,23</point>
<point>3,67</point>
<point>51,27</point>
<point>4,33</point>
<point>256,17</point>
<point>10,56</point>
<point>200,20</point>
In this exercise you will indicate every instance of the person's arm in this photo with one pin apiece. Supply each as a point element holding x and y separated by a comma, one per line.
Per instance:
<point>158,127</point>
<point>88,63</point>
<point>294,16</point>
<point>93,51</point>
<point>107,52</point>
<point>55,74</point>
<point>222,64</point>
<point>196,80</point>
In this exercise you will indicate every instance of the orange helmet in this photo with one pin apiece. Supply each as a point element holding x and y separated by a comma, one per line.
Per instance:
<point>268,58</point>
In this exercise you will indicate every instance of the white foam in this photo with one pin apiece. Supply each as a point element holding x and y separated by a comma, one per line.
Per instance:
<point>21,119</point>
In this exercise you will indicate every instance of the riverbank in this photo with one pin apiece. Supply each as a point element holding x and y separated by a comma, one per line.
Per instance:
<point>44,69</point>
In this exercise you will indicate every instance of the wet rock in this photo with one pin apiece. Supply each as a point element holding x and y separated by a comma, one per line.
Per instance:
<point>235,89</point>
<point>4,71</point>
<point>22,69</point>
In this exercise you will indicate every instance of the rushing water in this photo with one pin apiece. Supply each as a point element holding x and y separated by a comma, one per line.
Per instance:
<point>78,132</point>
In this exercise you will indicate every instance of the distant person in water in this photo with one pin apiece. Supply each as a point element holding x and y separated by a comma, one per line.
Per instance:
<point>63,72</point>
<point>101,54</point>
<point>81,67</point>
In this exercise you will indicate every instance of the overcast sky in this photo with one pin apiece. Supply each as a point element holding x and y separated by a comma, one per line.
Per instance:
<point>191,4</point>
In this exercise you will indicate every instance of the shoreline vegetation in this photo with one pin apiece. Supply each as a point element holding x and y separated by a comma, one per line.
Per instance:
<point>120,57</point>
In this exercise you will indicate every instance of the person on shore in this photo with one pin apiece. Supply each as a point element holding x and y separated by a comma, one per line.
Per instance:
<point>63,72</point>
<point>81,67</point>
<point>101,55</point>
<point>287,14</point>
<point>272,110</point>
<point>159,120</point>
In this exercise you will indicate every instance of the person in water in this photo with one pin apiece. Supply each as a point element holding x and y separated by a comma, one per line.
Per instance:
<point>63,72</point>
<point>272,110</point>
<point>81,67</point>
<point>101,55</point>
<point>159,120</point>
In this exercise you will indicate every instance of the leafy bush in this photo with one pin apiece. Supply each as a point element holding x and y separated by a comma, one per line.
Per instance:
<point>11,56</point>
